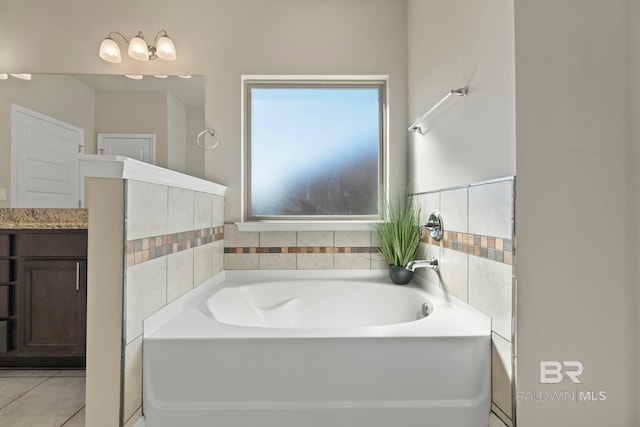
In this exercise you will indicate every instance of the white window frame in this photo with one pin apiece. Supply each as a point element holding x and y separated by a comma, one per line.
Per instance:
<point>312,223</point>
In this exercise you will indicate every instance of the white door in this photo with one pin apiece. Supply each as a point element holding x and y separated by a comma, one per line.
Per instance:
<point>139,146</point>
<point>44,157</point>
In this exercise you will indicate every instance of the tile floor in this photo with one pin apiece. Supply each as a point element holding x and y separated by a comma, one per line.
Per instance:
<point>42,398</point>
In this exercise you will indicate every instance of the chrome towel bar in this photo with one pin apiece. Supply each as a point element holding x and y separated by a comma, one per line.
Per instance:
<point>415,126</point>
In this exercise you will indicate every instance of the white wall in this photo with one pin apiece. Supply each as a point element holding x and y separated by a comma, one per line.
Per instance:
<point>221,40</point>
<point>194,154</point>
<point>575,276</point>
<point>156,112</point>
<point>634,108</point>
<point>135,112</point>
<point>176,134</point>
<point>301,37</point>
<point>452,44</point>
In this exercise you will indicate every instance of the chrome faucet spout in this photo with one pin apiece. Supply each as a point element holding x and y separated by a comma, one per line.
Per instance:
<point>431,263</point>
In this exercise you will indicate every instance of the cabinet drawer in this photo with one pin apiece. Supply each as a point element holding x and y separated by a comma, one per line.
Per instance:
<point>4,336</point>
<point>5,245</point>
<point>5,270</point>
<point>4,301</point>
<point>51,244</point>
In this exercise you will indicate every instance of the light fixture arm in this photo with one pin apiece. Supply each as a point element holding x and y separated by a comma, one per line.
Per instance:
<point>120,34</point>
<point>155,41</point>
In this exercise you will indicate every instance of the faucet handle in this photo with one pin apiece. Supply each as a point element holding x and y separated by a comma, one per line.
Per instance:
<point>434,225</point>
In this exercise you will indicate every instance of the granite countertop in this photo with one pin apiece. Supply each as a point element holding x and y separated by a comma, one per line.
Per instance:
<point>44,218</point>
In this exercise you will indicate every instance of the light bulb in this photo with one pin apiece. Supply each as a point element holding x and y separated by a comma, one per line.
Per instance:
<point>138,49</point>
<point>165,49</point>
<point>109,51</point>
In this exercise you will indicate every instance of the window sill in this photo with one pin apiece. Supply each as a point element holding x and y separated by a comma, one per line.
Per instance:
<point>306,225</point>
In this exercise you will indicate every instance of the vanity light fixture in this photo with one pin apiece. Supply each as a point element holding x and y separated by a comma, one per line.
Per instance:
<point>138,49</point>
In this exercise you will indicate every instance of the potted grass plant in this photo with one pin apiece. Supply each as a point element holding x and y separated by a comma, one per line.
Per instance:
<point>399,238</point>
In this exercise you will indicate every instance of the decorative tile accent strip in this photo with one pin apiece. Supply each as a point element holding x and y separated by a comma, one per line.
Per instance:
<point>148,248</point>
<point>492,248</point>
<point>303,250</point>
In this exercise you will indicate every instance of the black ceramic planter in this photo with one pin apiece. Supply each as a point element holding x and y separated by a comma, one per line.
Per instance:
<point>400,275</point>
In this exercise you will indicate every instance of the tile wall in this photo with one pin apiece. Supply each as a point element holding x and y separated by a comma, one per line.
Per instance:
<point>174,242</point>
<point>299,250</point>
<point>477,258</point>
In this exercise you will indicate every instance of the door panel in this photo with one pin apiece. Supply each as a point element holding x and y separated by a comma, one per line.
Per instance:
<point>53,303</point>
<point>135,146</point>
<point>45,161</point>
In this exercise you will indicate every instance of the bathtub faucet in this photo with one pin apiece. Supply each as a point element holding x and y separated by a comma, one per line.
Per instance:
<point>431,263</point>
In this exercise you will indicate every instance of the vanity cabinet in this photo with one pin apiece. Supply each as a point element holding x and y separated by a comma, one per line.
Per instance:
<point>43,294</point>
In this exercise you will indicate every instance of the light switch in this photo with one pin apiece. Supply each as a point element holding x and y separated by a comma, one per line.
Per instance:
<point>3,194</point>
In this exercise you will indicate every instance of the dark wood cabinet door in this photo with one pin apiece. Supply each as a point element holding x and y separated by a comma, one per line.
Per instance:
<point>52,302</point>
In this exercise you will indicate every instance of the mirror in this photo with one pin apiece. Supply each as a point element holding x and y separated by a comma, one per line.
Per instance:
<point>171,108</point>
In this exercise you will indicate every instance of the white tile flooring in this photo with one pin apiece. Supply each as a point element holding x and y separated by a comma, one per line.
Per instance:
<point>42,398</point>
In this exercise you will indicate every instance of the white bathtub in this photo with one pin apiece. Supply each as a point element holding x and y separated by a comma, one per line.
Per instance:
<point>315,349</point>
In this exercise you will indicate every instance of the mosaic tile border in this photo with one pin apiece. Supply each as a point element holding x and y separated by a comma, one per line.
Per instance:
<point>489,247</point>
<point>148,248</point>
<point>302,250</point>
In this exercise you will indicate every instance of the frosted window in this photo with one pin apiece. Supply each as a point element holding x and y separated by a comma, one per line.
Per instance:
<point>314,150</point>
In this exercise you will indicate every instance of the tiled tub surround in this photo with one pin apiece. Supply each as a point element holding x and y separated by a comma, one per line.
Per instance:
<point>171,248</point>
<point>300,250</point>
<point>488,247</point>
<point>152,239</point>
<point>148,248</point>
<point>477,259</point>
